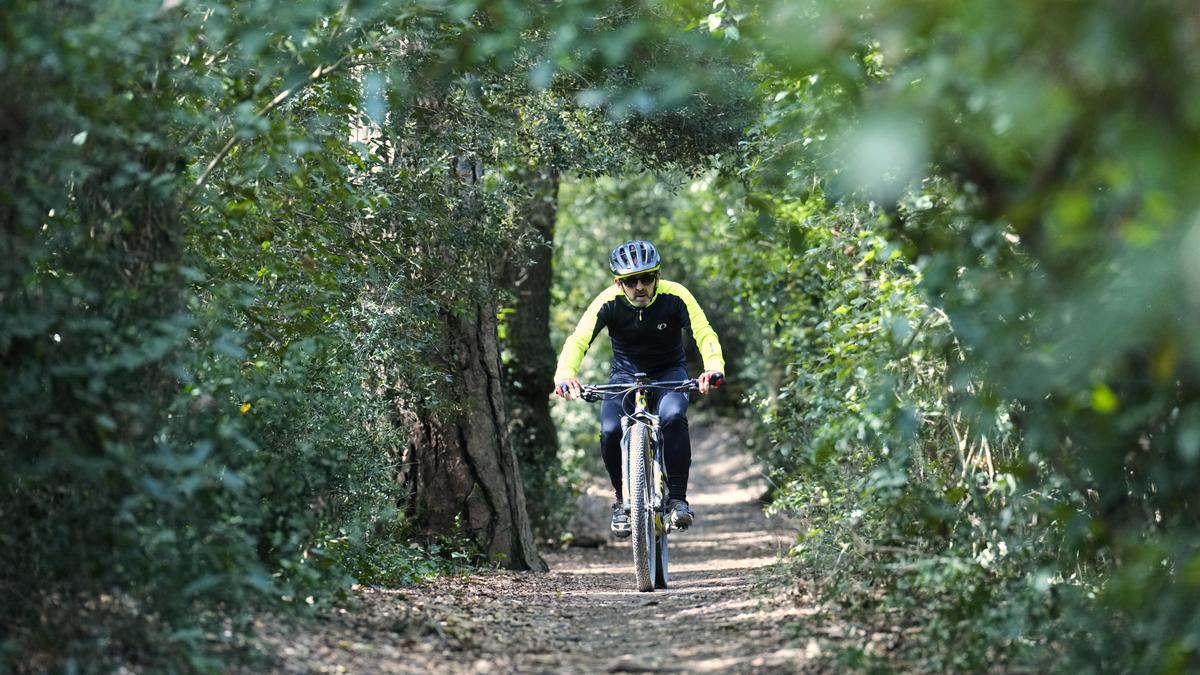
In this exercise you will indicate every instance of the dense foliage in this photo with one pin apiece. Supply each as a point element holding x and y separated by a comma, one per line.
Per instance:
<point>957,254</point>
<point>950,249</point>
<point>232,237</point>
<point>979,228</point>
<point>207,294</point>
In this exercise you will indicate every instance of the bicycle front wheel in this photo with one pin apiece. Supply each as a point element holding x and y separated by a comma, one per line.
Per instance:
<point>641,515</point>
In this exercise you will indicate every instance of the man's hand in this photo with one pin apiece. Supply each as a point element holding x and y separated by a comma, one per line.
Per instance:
<point>568,389</point>
<point>710,379</point>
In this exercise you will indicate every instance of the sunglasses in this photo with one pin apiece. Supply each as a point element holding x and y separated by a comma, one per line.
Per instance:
<point>643,279</point>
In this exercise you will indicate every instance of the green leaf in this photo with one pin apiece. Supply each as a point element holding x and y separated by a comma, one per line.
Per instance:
<point>1104,401</point>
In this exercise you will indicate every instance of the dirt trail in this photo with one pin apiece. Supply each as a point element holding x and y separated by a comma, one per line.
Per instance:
<point>585,615</point>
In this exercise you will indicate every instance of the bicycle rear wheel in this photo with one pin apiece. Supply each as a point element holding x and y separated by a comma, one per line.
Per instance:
<point>641,515</point>
<point>662,559</point>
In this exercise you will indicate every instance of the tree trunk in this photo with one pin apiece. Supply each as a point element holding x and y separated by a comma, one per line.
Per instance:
<point>462,469</point>
<point>530,368</point>
<point>460,465</point>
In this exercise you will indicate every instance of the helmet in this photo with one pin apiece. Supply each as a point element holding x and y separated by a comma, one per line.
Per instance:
<point>632,257</point>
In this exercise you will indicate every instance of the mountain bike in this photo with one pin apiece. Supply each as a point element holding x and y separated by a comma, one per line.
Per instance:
<point>644,474</point>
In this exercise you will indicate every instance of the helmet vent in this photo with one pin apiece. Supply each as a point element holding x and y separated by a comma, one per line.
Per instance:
<point>632,257</point>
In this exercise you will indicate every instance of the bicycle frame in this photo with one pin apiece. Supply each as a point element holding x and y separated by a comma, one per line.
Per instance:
<point>644,476</point>
<point>641,414</point>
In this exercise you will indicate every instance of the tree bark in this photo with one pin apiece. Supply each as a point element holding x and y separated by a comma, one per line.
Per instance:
<point>461,466</point>
<point>530,367</point>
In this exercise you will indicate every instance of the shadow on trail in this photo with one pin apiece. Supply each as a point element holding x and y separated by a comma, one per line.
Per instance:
<point>712,605</point>
<point>586,615</point>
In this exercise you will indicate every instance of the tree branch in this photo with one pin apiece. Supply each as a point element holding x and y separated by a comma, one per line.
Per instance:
<point>279,99</point>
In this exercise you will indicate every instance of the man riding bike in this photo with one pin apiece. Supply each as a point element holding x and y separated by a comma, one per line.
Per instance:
<point>645,317</point>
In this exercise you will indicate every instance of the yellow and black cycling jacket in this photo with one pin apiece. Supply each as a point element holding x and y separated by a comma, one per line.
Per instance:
<point>648,339</point>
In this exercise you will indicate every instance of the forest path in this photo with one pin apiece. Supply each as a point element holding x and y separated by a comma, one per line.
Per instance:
<point>585,615</point>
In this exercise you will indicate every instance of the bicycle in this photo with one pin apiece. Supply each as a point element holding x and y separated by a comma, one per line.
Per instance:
<point>644,474</point>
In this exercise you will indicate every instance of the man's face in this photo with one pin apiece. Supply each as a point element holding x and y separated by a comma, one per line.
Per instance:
<point>639,288</point>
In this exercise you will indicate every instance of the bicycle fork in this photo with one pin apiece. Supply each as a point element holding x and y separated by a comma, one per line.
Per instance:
<point>655,465</point>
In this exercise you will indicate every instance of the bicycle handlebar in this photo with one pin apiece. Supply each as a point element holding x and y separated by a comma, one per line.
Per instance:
<point>595,392</point>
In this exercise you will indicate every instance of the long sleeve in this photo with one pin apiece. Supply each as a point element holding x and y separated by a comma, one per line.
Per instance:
<point>576,345</point>
<point>702,331</point>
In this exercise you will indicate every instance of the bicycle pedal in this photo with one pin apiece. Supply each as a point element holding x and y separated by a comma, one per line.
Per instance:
<point>677,524</point>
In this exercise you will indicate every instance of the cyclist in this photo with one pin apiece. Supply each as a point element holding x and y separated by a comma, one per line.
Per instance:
<point>645,317</point>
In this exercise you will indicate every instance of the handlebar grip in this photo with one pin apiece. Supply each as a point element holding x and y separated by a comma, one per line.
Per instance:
<point>717,380</point>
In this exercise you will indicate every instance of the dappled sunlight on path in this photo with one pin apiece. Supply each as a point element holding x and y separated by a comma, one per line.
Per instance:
<point>585,615</point>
